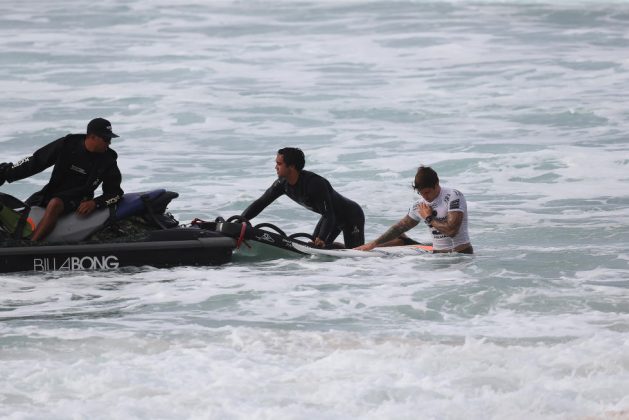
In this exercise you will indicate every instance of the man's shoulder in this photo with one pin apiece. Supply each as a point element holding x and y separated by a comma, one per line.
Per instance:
<point>66,143</point>
<point>279,182</point>
<point>73,138</point>
<point>313,179</point>
<point>453,192</point>
<point>112,153</point>
<point>310,175</point>
<point>413,210</point>
<point>454,199</point>
<point>416,203</point>
<point>68,140</point>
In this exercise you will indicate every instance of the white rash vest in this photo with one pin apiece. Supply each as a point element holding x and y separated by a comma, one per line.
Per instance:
<point>448,200</point>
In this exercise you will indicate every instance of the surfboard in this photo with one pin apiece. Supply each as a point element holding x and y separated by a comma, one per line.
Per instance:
<point>261,240</point>
<point>376,252</point>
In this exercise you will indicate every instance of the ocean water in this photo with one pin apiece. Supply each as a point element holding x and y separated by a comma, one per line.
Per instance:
<point>523,106</point>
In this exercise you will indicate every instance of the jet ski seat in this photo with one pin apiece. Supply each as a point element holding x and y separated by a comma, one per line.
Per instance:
<point>72,227</point>
<point>134,204</point>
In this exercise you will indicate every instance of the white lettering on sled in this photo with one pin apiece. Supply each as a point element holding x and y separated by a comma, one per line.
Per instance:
<point>105,262</point>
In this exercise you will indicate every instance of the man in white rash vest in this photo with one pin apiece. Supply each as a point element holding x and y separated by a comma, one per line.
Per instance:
<point>442,209</point>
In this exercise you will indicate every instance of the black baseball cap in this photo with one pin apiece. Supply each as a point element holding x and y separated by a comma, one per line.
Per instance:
<point>100,127</point>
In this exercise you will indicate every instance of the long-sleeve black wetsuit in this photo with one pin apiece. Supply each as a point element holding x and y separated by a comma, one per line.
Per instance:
<point>315,193</point>
<point>76,174</point>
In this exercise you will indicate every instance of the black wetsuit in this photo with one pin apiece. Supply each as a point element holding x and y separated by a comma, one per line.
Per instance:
<point>315,193</point>
<point>77,173</point>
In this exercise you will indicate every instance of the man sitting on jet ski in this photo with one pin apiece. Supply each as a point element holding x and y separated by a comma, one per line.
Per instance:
<point>314,192</point>
<point>81,163</point>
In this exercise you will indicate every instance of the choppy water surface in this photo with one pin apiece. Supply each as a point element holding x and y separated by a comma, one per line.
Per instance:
<point>522,106</point>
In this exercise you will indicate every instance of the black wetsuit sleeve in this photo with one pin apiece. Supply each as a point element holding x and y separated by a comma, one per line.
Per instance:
<point>319,191</point>
<point>40,160</point>
<point>269,196</point>
<point>112,193</point>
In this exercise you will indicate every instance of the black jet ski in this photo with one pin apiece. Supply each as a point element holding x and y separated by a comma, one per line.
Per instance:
<point>136,232</point>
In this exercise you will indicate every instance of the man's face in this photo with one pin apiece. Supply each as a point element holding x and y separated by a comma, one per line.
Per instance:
<point>101,143</point>
<point>430,193</point>
<point>280,166</point>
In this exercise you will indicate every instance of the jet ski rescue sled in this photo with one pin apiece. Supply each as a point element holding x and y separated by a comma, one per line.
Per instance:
<point>136,232</point>
<point>261,239</point>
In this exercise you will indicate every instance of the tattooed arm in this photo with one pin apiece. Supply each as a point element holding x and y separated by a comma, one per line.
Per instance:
<point>393,232</point>
<point>449,227</point>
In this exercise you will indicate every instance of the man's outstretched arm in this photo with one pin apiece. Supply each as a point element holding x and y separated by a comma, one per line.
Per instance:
<point>405,224</point>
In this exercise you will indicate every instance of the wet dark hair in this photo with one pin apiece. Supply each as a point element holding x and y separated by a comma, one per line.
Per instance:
<point>426,177</point>
<point>293,156</point>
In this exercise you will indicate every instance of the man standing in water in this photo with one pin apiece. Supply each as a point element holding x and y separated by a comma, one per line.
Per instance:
<point>81,162</point>
<point>315,193</point>
<point>443,210</point>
